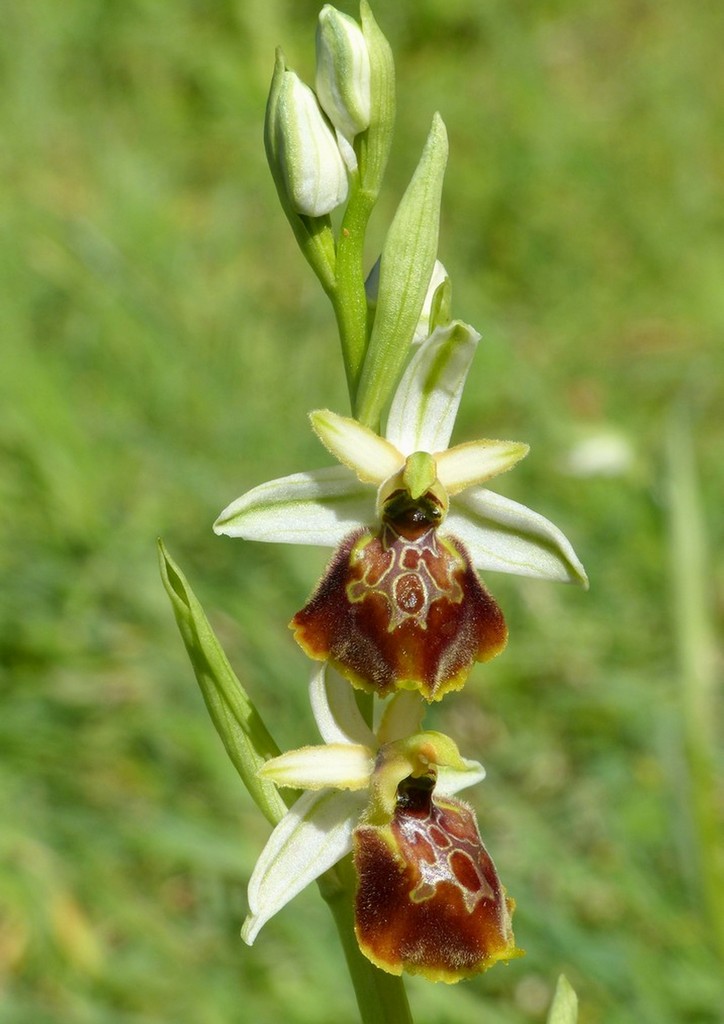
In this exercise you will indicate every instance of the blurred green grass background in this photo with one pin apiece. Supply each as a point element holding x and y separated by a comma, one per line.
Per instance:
<point>162,342</point>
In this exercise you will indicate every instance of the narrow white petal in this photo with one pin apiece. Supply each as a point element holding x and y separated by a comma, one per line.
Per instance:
<point>370,456</point>
<point>452,780</point>
<point>310,839</point>
<point>320,507</point>
<point>473,463</point>
<point>504,536</point>
<point>335,709</point>
<point>402,717</point>
<point>341,765</point>
<point>426,401</point>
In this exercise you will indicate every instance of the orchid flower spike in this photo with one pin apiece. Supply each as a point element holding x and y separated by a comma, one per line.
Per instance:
<point>428,899</point>
<point>400,605</point>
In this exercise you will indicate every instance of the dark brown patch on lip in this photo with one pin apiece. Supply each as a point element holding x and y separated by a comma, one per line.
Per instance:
<point>403,608</point>
<point>428,906</point>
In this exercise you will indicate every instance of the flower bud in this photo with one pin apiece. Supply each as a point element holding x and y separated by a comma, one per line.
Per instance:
<point>309,157</point>
<point>343,72</point>
<point>425,325</point>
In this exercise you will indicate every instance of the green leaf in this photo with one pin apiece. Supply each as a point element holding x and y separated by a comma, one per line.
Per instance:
<point>406,265</point>
<point>564,1008</point>
<point>246,738</point>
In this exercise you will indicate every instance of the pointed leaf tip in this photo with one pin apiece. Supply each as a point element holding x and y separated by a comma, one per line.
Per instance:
<point>237,721</point>
<point>564,1008</point>
<point>406,265</point>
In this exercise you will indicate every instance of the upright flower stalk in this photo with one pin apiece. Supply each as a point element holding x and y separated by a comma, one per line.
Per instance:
<point>400,615</point>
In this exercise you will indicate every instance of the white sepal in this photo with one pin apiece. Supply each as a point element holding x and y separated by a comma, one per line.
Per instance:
<point>335,709</point>
<point>341,765</point>
<point>474,462</point>
<point>502,535</point>
<point>426,402</point>
<point>319,507</point>
<point>370,456</point>
<point>310,839</point>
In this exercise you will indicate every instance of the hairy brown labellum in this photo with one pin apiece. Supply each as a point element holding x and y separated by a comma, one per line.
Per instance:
<point>429,900</point>
<point>403,608</point>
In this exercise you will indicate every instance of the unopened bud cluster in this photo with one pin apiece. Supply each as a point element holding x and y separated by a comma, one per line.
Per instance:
<point>315,131</point>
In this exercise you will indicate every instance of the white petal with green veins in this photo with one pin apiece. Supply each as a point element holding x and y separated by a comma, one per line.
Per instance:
<point>310,839</point>
<point>504,536</point>
<point>426,402</point>
<point>320,507</point>
<point>370,456</point>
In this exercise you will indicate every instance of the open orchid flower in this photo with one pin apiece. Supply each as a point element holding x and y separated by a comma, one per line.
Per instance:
<point>429,899</point>
<point>400,605</point>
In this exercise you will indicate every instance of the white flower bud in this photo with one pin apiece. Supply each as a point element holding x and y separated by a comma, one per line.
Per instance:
<point>308,154</point>
<point>343,72</point>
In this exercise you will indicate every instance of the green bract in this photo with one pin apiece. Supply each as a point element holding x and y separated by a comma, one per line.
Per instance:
<point>406,266</point>
<point>373,145</point>
<point>564,1008</point>
<point>237,721</point>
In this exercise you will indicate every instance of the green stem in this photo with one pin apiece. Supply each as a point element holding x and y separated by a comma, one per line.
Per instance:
<point>381,997</point>
<point>694,635</point>
<point>349,298</point>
